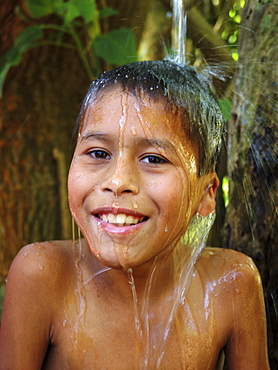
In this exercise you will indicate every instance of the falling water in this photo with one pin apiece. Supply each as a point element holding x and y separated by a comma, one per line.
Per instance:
<point>179,31</point>
<point>194,241</point>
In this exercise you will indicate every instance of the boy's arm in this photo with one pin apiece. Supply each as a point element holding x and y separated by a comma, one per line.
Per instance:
<point>247,345</point>
<point>27,312</point>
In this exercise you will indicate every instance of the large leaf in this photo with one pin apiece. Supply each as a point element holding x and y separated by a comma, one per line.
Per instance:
<point>86,8</point>
<point>26,40</point>
<point>41,8</point>
<point>116,47</point>
<point>72,9</point>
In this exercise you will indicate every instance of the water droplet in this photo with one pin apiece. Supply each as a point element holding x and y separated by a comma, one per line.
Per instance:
<point>64,323</point>
<point>133,131</point>
<point>135,205</point>
<point>166,229</point>
<point>115,203</point>
<point>25,255</point>
<point>41,267</point>
<point>6,280</point>
<point>38,254</point>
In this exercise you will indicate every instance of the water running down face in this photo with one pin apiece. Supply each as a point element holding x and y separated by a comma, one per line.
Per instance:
<point>133,184</point>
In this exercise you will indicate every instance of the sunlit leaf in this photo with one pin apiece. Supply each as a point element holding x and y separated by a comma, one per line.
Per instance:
<point>87,9</point>
<point>226,107</point>
<point>225,190</point>
<point>41,8</point>
<point>116,47</point>
<point>72,9</point>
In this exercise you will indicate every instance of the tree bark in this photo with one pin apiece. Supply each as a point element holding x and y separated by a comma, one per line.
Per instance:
<point>40,103</point>
<point>251,224</point>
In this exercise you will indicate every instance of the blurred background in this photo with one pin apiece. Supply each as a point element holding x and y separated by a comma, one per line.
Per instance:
<point>50,50</point>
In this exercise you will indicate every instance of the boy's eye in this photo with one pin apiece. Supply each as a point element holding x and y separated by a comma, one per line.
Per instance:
<point>153,159</point>
<point>99,154</point>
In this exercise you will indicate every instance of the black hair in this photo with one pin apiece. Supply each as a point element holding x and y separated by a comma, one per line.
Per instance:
<point>182,87</point>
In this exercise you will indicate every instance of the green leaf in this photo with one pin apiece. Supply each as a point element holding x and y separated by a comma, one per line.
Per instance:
<point>41,8</point>
<point>107,12</point>
<point>86,8</point>
<point>28,36</point>
<point>226,107</point>
<point>25,40</point>
<point>68,10</point>
<point>116,47</point>
<point>73,9</point>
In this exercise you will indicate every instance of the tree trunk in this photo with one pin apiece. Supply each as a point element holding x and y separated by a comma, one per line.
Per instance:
<point>40,103</point>
<point>251,224</point>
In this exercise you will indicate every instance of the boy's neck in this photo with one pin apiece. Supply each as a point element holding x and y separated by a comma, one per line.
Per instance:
<point>154,280</point>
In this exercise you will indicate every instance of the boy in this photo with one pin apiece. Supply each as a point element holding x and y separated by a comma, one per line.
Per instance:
<point>135,293</point>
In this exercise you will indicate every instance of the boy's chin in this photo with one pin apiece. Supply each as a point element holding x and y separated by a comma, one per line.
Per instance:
<point>111,259</point>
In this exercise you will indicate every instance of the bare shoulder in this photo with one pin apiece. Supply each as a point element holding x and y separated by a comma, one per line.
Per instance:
<point>42,268</point>
<point>232,281</point>
<point>222,261</point>
<point>43,258</point>
<point>230,272</point>
<point>38,280</point>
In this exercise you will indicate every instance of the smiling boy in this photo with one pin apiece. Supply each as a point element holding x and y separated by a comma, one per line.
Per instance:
<point>143,171</point>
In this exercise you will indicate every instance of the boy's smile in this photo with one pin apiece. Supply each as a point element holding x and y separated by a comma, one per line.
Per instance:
<point>130,182</point>
<point>119,221</point>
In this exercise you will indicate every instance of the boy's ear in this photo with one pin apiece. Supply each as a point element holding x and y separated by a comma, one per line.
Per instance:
<point>207,204</point>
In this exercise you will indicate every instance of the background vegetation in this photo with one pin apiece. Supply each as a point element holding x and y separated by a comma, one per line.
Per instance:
<point>51,50</point>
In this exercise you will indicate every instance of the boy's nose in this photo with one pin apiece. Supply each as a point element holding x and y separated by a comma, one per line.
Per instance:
<point>121,179</point>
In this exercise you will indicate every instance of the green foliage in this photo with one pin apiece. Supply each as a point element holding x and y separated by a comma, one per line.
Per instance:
<point>231,31</point>
<point>226,107</point>
<point>69,10</point>
<point>25,41</point>
<point>80,19</point>
<point>117,47</point>
<point>225,190</point>
<point>107,12</point>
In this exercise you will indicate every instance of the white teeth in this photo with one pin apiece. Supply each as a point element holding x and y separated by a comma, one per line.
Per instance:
<point>130,220</point>
<point>111,218</point>
<point>120,219</point>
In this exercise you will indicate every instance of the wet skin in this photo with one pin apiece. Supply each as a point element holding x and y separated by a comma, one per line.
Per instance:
<point>50,324</point>
<point>61,311</point>
<point>132,158</point>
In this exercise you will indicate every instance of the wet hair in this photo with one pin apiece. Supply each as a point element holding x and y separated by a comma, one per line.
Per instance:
<point>182,87</point>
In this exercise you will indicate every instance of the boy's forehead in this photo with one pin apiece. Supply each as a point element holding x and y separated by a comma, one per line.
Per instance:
<point>114,96</point>
<point>114,104</point>
<point>114,107</point>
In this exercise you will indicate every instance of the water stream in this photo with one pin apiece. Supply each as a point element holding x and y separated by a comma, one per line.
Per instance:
<point>179,31</point>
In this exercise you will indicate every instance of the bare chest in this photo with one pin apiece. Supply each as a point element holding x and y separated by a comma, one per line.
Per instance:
<point>99,338</point>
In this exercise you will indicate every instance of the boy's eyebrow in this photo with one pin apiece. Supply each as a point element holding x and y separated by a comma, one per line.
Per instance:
<point>96,135</point>
<point>140,142</point>
<point>157,143</point>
